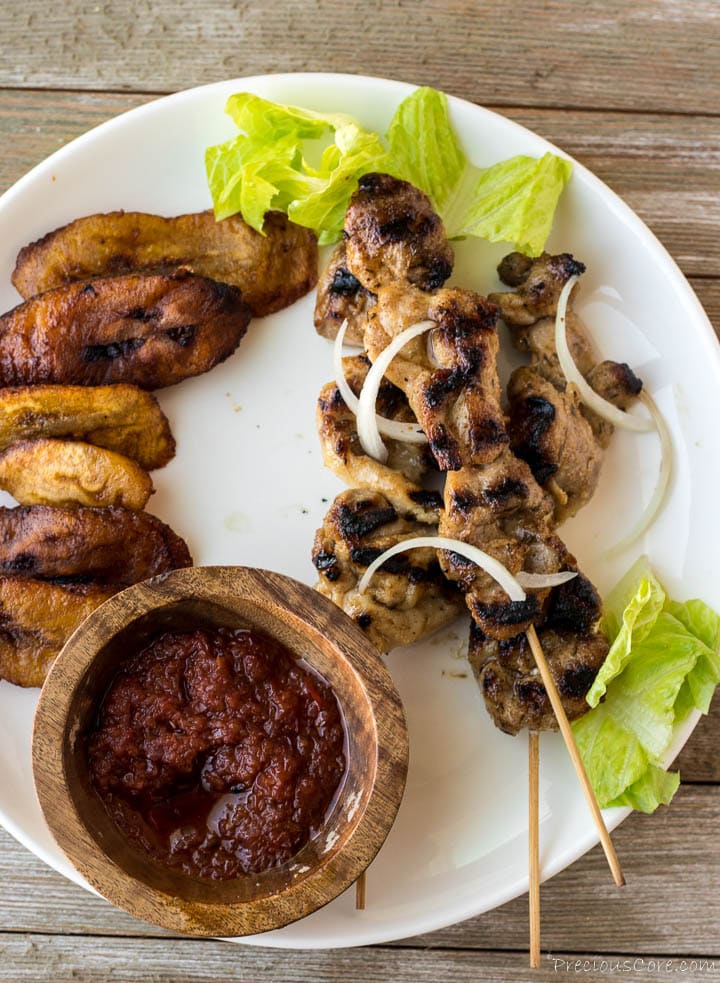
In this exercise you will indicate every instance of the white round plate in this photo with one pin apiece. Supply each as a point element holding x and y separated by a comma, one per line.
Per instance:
<point>248,486</point>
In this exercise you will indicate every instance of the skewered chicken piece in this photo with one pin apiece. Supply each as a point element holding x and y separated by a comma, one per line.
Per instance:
<point>502,509</point>
<point>560,438</point>
<point>341,297</point>
<point>549,431</point>
<point>452,386</point>
<point>392,235</point>
<point>400,479</point>
<point>508,677</point>
<point>408,598</point>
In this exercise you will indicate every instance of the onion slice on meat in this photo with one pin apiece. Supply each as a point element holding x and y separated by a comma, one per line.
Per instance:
<point>539,580</point>
<point>372,442</point>
<point>489,564</point>
<point>572,373</point>
<point>605,409</point>
<point>410,433</point>
<point>658,496</point>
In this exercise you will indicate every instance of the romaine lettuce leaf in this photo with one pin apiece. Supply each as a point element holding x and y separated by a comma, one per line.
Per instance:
<point>512,201</point>
<point>425,148</point>
<point>269,165</point>
<point>308,164</point>
<point>698,688</point>
<point>663,662</point>
<point>630,611</point>
<point>653,788</point>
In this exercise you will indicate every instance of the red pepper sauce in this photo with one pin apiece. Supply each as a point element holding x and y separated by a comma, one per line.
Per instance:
<point>217,752</point>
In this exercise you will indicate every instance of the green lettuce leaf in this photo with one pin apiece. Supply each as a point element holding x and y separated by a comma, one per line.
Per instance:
<point>425,148</point>
<point>303,163</point>
<point>513,201</point>
<point>704,624</point>
<point>308,164</point>
<point>631,610</point>
<point>663,662</point>
<point>653,788</point>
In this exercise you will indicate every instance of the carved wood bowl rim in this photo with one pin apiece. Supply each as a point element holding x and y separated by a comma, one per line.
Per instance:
<point>311,625</point>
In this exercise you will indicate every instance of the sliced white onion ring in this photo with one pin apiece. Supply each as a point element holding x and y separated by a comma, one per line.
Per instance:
<point>658,496</point>
<point>432,357</point>
<point>572,373</point>
<point>531,580</point>
<point>489,564</point>
<point>372,442</point>
<point>410,433</point>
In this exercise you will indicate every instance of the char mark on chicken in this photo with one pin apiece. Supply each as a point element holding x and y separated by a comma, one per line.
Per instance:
<point>515,529</point>
<point>393,235</point>
<point>512,689</point>
<point>502,509</point>
<point>450,379</point>
<point>538,285</point>
<point>400,480</point>
<point>548,430</point>
<point>549,426</point>
<point>341,297</point>
<point>408,597</point>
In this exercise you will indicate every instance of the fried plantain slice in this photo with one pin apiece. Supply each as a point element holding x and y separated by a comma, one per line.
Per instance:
<point>69,472</point>
<point>153,331</point>
<point>36,619</point>
<point>121,418</point>
<point>109,545</point>
<point>272,270</point>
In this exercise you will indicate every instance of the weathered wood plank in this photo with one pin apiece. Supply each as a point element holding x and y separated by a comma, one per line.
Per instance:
<point>699,760</point>
<point>672,865</point>
<point>666,168</point>
<point>40,958</point>
<point>645,55</point>
<point>670,860</point>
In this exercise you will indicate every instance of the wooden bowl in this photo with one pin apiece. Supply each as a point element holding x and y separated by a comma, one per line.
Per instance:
<point>310,626</point>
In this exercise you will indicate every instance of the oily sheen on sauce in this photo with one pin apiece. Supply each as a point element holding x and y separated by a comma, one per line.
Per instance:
<point>217,752</point>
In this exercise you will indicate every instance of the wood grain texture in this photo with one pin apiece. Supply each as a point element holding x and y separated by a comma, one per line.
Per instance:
<point>699,760</point>
<point>670,860</point>
<point>667,168</point>
<point>647,55</point>
<point>51,958</point>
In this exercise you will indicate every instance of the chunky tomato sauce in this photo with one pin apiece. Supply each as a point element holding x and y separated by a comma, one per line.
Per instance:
<point>217,752</point>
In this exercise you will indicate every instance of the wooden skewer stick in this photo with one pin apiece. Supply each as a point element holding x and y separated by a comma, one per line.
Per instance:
<point>574,753</point>
<point>534,846</point>
<point>360,892</point>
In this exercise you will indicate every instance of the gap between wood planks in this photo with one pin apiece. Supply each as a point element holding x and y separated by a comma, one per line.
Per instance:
<point>395,947</point>
<point>498,107</point>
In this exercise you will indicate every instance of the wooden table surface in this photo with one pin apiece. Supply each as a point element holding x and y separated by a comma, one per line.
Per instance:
<point>632,89</point>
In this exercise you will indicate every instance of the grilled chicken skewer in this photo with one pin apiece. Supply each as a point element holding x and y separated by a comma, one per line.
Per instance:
<point>391,231</point>
<point>549,427</point>
<point>396,252</point>
<point>454,392</point>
